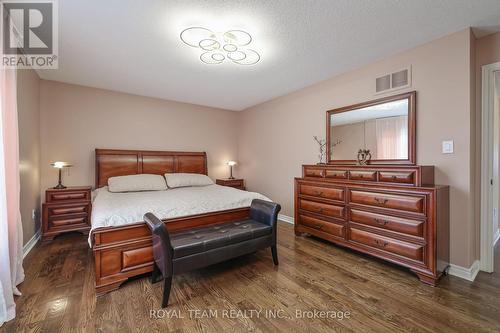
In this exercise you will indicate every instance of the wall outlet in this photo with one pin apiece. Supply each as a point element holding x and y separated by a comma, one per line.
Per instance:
<point>447,147</point>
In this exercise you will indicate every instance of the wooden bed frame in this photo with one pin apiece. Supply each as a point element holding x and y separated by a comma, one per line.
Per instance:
<point>125,251</point>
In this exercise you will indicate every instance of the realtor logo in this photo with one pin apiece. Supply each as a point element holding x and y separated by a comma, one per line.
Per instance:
<point>29,34</point>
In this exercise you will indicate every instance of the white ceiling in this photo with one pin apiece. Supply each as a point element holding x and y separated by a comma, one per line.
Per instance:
<point>134,46</point>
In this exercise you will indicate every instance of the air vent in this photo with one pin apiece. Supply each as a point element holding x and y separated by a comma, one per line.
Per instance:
<point>383,83</point>
<point>393,81</point>
<point>399,79</point>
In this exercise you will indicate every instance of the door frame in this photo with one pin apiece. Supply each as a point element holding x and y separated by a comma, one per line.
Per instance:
<point>487,145</point>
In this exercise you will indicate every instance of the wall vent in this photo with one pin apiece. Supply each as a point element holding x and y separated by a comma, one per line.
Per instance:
<point>393,81</point>
<point>383,83</point>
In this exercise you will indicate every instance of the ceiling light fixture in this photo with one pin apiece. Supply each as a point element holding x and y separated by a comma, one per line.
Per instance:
<point>217,47</point>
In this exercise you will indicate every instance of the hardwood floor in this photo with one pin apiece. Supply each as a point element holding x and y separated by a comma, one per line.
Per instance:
<point>58,294</point>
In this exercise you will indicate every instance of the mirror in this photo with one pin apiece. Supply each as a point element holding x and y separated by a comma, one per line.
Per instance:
<point>385,127</point>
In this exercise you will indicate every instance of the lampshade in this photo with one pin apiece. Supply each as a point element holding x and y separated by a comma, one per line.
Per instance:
<point>60,165</point>
<point>231,163</point>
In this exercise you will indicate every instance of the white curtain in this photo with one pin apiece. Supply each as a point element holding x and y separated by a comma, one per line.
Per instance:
<point>392,137</point>
<point>11,236</point>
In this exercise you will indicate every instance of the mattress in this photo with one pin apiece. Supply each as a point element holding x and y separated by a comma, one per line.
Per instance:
<point>118,209</point>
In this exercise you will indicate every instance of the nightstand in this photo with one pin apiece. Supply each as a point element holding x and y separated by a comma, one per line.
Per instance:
<point>66,210</point>
<point>236,183</point>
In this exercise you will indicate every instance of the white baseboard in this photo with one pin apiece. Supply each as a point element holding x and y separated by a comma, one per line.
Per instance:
<point>463,272</point>
<point>285,218</point>
<point>31,243</point>
<point>496,238</point>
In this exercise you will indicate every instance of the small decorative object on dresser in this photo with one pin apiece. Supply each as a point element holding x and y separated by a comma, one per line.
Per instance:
<point>236,183</point>
<point>60,166</point>
<point>389,209</point>
<point>322,149</point>
<point>364,156</point>
<point>66,210</point>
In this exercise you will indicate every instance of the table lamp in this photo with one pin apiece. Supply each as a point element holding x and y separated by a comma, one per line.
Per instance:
<point>60,166</point>
<point>231,164</point>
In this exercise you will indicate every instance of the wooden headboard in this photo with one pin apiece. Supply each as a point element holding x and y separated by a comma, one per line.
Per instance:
<point>113,162</point>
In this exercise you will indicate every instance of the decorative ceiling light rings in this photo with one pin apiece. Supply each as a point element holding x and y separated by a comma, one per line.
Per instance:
<point>217,47</point>
<point>194,35</point>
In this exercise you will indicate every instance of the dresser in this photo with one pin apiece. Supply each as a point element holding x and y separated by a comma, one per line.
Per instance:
<point>66,210</point>
<point>393,213</point>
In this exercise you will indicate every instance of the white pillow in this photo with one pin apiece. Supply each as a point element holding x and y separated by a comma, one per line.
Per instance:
<point>187,179</point>
<point>136,183</point>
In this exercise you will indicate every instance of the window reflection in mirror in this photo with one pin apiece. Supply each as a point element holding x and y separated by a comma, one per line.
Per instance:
<point>382,128</point>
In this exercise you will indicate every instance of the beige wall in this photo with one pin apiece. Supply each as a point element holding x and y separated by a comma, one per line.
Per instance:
<point>488,50</point>
<point>28,88</point>
<point>351,137</point>
<point>276,137</point>
<point>75,120</point>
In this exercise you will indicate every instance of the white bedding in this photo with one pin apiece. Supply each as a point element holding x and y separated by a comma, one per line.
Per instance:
<point>115,209</point>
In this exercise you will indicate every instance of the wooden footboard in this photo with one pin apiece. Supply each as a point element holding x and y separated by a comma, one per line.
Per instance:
<point>125,251</point>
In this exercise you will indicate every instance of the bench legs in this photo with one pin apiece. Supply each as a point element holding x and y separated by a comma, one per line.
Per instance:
<point>157,276</point>
<point>274,251</point>
<point>166,291</point>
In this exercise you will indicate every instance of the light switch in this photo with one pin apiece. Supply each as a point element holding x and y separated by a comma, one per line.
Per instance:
<point>448,147</point>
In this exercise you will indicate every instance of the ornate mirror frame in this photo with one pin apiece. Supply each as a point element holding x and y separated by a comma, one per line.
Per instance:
<point>412,151</point>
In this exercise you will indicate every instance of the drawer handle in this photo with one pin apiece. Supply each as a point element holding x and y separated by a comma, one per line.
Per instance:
<point>361,176</point>
<point>318,193</point>
<point>381,222</point>
<point>394,177</point>
<point>381,243</point>
<point>320,210</point>
<point>381,201</point>
<point>318,226</point>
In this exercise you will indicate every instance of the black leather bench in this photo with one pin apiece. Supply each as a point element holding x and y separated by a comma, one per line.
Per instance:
<point>199,247</point>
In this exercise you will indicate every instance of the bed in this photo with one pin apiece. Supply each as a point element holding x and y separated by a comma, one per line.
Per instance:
<point>120,240</point>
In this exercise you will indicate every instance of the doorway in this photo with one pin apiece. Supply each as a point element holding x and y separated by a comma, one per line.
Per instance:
<point>490,165</point>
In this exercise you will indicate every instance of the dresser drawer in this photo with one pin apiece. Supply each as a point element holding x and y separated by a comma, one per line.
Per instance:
<point>405,226</point>
<point>402,202</point>
<point>336,174</point>
<point>69,209</point>
<point>320,225</point>
<point>68,222</point>
<point>402,177</point>
<point>405,249</point>
<point>321,208</point>
<point>54,196</point>
<point>363,175</point>
<point>234,183</point>
<point>322,192</point>
<point>314,172</point>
